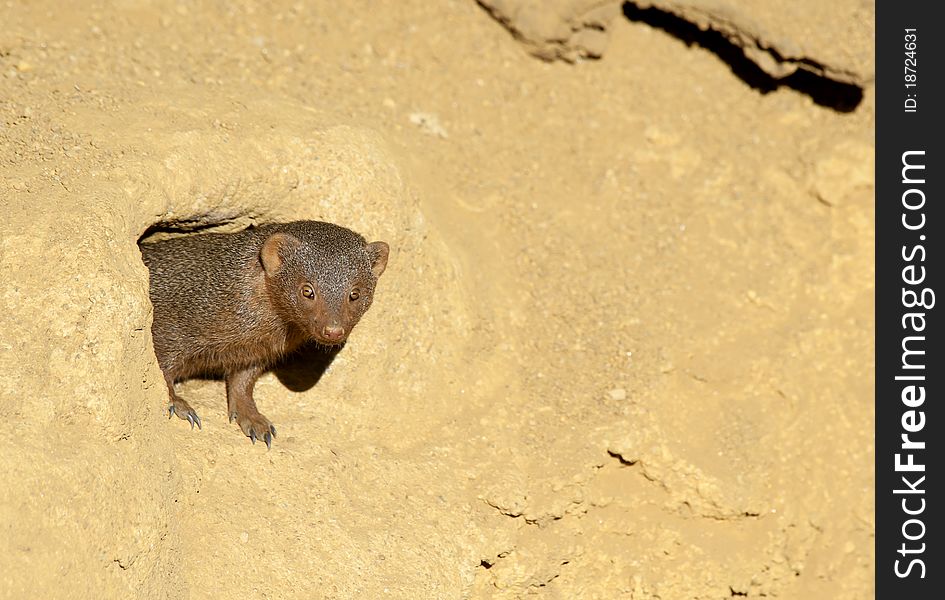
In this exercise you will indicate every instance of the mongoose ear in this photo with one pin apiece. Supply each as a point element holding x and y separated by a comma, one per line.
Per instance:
<point>274,251</point>
<point>378,251</point>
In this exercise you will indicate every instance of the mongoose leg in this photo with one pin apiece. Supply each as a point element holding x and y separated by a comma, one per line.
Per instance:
<point>242,407</point>
<point>179,406</point>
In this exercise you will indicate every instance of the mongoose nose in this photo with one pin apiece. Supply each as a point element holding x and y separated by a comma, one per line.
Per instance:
<point>333,332</point>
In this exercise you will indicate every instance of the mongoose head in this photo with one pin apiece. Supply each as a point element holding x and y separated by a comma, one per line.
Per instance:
<point>320,277</point>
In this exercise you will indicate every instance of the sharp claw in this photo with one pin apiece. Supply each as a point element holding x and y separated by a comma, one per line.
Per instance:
<point>170,411</point>
<point>272,430</point>
<point>190,419</point>
<point>252,436</point>
<point>232,416</point>
<point>268,438</point>
<point>199,424</point>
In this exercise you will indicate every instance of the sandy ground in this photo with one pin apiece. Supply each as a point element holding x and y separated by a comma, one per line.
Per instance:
<point>623,348</point>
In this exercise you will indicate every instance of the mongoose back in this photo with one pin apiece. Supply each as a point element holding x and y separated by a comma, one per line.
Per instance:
<point>233,303</point>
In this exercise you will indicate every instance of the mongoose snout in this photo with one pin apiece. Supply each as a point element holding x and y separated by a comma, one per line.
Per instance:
<point>234,303</point>
<point>333,333</point>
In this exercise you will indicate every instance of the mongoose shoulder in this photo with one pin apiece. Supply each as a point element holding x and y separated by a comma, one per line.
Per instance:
<point>234,303</point>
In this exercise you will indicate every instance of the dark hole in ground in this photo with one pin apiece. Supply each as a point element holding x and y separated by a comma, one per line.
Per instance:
<point>840,96</point>
<point>182,226</point>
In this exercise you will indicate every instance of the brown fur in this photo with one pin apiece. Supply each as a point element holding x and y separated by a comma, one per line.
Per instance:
<point>233,304</point>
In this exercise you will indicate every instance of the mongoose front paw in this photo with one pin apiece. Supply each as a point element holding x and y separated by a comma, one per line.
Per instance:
<point>255,426</point>
<point>184,411</point>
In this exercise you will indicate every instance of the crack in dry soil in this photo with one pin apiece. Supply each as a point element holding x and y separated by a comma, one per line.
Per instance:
<point>752,59</point>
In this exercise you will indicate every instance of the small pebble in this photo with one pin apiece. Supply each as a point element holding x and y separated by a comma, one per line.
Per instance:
<point>617,394</point>
<point>429,124</point>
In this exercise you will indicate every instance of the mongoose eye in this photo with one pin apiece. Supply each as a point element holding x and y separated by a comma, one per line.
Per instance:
<point>308,291</point>
<point>354,295</point>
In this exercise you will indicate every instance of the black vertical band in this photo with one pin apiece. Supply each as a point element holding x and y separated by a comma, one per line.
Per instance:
<point>910,371</point>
